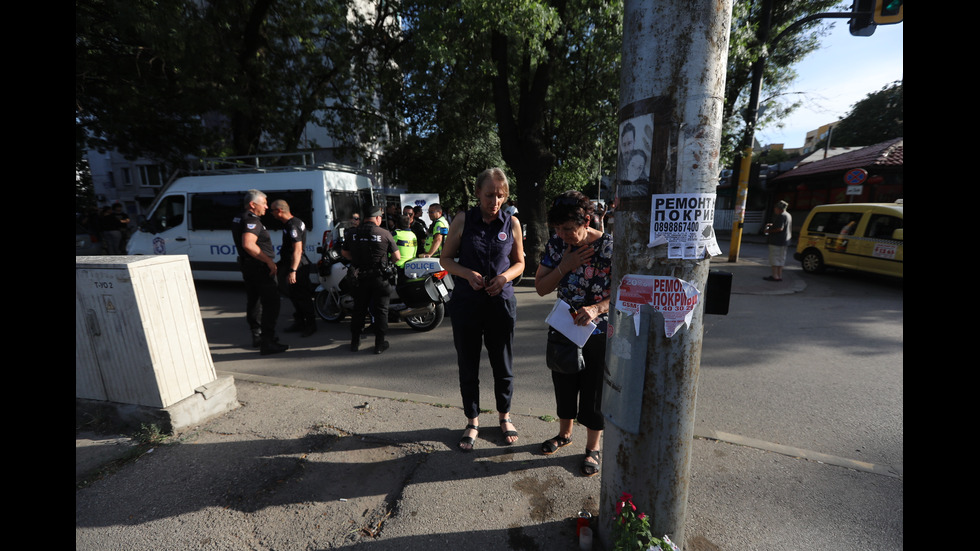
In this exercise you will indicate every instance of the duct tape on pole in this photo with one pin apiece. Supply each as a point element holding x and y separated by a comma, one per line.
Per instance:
<point>671,90</point>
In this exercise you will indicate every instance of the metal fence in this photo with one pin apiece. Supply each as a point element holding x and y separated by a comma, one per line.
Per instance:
<point>752,223</point>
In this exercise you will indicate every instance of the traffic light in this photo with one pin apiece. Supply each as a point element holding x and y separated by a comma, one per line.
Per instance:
<point>862,17</point>
<point>867,14</point>
<point>888,11</point>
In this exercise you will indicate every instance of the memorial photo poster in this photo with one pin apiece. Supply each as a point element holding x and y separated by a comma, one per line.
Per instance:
<point>635,148</point>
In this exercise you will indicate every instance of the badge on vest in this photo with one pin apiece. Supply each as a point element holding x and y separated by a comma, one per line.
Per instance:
<point>502,236</point>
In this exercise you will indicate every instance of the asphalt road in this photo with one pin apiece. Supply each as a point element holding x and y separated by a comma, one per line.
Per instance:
<point>820,369</point>
<point>418,362</point>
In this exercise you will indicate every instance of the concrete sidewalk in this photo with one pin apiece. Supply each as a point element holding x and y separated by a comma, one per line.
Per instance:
<point>303,467</point>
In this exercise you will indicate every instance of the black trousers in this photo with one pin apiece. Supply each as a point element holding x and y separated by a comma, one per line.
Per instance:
<point>579,395</point>
<point>262,295</point>
<point>371,293</point>
<point>484,321</point>
<point>299,293</point>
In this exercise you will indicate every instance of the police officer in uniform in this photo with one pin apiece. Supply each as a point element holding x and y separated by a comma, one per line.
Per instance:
<point>294,270</point>
<point>437,232</point>
<point>371,251</point>
<point>406,242</point>
<point>255,259</point>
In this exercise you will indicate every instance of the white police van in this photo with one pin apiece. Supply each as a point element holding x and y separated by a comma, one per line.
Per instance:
<point>192,215</point>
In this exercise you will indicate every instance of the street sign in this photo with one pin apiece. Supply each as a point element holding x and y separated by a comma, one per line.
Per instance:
<point>855,176</point>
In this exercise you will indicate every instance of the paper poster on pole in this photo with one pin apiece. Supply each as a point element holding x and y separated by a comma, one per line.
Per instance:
<point>684,222</point>
<point>419,200</point>
<point>673,297</point>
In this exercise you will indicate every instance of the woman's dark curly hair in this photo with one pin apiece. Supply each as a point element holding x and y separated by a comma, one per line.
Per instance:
<point>570,206</point>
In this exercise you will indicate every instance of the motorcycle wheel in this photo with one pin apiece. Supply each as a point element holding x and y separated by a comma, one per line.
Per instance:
<point>327,304</point>
<point>429,321</point>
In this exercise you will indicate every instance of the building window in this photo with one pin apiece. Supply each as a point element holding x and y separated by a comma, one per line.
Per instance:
<point>151,175</point>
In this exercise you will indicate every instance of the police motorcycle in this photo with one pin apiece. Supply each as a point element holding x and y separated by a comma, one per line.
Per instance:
<point>419,298</point>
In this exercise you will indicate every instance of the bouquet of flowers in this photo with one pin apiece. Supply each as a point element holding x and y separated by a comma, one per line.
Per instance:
<point>631,531</point>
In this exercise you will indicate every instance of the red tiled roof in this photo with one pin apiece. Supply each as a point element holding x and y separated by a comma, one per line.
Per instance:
<point>890,153</point>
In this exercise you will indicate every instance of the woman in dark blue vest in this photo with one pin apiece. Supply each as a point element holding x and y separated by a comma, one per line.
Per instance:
<point>484,252</point>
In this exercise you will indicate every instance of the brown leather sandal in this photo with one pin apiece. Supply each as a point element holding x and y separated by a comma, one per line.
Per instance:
<point>549,447</point>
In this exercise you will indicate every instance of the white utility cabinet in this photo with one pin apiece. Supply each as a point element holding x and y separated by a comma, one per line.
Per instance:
<point>139,337</point>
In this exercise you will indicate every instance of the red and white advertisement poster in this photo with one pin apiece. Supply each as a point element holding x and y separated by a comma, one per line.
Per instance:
<point>671,296</point>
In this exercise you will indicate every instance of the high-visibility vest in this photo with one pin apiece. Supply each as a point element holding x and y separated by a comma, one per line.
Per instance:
<point>407,245</point>
<point>439,227</point>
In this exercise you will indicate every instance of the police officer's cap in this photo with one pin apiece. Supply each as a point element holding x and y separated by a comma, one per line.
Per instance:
<point>371,212</point>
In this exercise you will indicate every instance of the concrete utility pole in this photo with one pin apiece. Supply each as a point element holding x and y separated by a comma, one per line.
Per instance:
<point>671,95</point>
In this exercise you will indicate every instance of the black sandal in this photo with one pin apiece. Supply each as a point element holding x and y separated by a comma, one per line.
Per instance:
<point>468,441</point>
<point>589,468</point>
<point>508,433</point>
<point>549,447</point>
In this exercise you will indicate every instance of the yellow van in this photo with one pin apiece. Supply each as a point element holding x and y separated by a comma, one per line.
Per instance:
<point>854,236</point>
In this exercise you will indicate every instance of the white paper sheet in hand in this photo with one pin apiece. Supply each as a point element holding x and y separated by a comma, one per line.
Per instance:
<point>562,320</point>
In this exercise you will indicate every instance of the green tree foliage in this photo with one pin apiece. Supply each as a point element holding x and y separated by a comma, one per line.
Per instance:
<point>171,78</point>
<point>449,132</point>
<point>84,191</point>
<point>746,47</point>
<point>542,75</point>
<point>446,88</point>
<point>444,163</point>
<point>129,90</point>
<point>548,72</point>
<point>877,118</point>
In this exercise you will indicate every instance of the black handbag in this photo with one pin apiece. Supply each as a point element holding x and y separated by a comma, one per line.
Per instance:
<point>563,355</point>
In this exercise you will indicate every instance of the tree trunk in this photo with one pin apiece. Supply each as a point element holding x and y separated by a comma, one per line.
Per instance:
<point>522,144</point>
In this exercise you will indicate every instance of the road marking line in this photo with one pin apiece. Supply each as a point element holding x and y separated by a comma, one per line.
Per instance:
<point>810,455</point>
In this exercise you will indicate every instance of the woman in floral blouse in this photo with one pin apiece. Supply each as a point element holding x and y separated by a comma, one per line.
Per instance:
<point>577,262</point>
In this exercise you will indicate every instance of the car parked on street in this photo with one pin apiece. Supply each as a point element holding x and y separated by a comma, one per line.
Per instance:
<point>867,237</point>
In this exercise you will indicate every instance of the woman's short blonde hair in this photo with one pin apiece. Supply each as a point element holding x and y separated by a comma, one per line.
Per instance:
<point>495,174</point>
